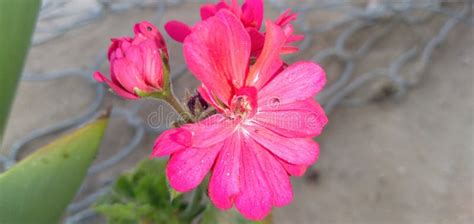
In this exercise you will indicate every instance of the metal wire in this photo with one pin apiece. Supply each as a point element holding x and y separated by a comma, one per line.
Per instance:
<point>354,19</point>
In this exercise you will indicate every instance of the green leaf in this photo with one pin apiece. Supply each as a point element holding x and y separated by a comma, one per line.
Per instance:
<point>143,193</point>
<point>39,188</point>
<point>121,213</point>
<point>209,215</point>
<point>17,21</point>
<point>173,193</point>
<point>214,216</point>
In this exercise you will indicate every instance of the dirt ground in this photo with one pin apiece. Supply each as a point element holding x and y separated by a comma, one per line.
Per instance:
<point>406,161</point>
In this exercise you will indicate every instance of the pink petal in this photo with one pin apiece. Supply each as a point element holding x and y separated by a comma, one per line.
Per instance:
<point>210,131</point>
<point>234,7</point>
<point>187,168</point>
<point>268,62</point>
<point>207,96</point>
<point>301,151</point>
<point>223,5</point>
<point>135,56</point>
<point>289,50</point>
<point>224,182</point>
<point>258,40</point>
<point>286,17</point>
<point>299,81</point>
<point>129,76</point>
<point>300,119</point>
<point>177,30</point>
<point>208,10</point>
<point>116,42</point>
<point>217,53</point>
<point>277,178</point>
<point>151,33</point>
<point>171,141</point>
<point>152,64</point>
<point>292,169</point>
<point>252,13</point>
<point>117,89</point>
<point>255,198</point>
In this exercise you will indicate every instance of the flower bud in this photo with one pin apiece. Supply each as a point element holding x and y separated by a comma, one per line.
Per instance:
<point>196,104</point>
<point>138,65</point>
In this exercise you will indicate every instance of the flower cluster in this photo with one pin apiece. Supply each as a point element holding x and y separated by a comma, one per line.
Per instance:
<point>266,115</point>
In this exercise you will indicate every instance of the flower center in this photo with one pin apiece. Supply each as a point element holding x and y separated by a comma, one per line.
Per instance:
<point>243,104</point>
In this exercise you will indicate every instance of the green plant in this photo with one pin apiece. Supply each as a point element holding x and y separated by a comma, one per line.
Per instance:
<point>17,21</point>
<point>143,196</point>
<point>38,189</point>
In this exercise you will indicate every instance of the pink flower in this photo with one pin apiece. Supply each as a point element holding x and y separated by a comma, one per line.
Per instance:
<point>265,125</point>
<point>138,63</point>
<point>251,16</point>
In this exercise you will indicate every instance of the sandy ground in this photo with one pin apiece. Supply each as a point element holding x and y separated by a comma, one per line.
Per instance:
<point>408,161</point>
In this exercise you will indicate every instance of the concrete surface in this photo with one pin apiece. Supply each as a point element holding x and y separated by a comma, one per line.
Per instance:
<point>405,162</point>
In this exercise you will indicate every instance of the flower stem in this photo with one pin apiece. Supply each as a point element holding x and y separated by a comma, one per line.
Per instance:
<point>195,207</point>
<point>171,99</point>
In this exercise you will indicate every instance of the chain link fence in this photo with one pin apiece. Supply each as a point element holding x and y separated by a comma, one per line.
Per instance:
<point>345,45</point>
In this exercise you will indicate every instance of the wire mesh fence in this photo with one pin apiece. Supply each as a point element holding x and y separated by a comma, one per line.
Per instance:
<point>347,45</point>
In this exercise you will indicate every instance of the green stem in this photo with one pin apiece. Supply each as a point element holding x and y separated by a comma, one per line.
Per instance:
<point>168,96</point>
<point>171,99</point>
<point>194,208</point>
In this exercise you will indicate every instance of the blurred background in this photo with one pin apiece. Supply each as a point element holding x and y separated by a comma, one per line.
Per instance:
<point>399,145</point>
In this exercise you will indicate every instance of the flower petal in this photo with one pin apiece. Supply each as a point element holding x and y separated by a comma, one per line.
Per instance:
<point>210,131</point>
<point>292,169</point>
<point>171,141</point>
<point>150,32</point>
<point>258,40</point>
<point>269,61</point>
<point>299,81</point>
<point>135,56</point>
<point>209,98</point>
<point>277,177</point>
<point>224,182</point>
<point>116,42</point>
<point>187,168</point>
<point>217,53</point>
<point>286,18</point>
<point>177,30</point>
<point>129,76</point>
<point>252,13</point>
<point>301,151</point>
<point>119,90</point>
<point>152,64</point>
<point>208,10</point>
<point>255,198</point>
<point>300,119</point>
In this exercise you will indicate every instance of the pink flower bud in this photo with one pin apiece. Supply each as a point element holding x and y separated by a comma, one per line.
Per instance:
<point>138,65</point>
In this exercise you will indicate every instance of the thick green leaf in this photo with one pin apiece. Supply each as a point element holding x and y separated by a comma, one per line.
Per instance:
<point>39,188</point>
<point>17,20</point>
